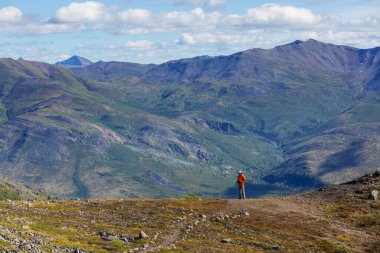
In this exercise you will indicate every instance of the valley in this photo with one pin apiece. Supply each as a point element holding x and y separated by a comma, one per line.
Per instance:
<point>293,118</point>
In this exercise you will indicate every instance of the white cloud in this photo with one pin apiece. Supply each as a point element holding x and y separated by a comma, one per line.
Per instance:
<point>139,44</point>
<point>204,3</point>
<point>10,14</point>
<point>221,39</point>
<point>277,15</point>
<point>40,28</point>
<point>187,39</point>
<point>83,12</point>
<point>192,31</point>
<point>136,16</point>
<point>196,19</point>
<point>215,3</point>
<point>186,1</point>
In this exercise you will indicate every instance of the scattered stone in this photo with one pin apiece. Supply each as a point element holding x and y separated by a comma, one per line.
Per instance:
<point>102,234</point>
<point>226,240</point>
<point>142,235</point>
<point>196,223</point>
<point>127,239</point>
<point>111,238</point>
<point>26,246</point>
<point>78,250</point>
<point>246,213</point>
<point>156,235</point>
<point>275,246</point>
<point>374,194</point>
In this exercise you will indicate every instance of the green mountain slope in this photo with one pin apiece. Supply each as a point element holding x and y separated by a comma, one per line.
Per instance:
<point>13,191</point>
<point>290,117</point>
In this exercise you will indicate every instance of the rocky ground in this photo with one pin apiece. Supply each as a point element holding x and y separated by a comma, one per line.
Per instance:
<point>343,218</point>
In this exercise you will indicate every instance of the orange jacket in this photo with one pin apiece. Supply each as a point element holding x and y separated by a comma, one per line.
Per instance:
<point>241,179</point>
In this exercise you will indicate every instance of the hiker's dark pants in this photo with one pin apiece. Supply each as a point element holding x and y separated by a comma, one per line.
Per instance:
<point>241,191</point>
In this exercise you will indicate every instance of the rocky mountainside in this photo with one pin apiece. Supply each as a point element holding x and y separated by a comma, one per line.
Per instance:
<point>74,62</point>
<point>341,218</point>
<point>13,191</point>
<point>294,117</point>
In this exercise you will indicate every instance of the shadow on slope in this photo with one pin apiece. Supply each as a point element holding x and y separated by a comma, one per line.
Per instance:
<point>348,158</point>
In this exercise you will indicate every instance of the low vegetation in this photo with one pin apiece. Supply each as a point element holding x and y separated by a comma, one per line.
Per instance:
<point>334,219</point>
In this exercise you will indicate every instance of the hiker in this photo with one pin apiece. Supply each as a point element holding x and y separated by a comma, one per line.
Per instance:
<point>241,181</point>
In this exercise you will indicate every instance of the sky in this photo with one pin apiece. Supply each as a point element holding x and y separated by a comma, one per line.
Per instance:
<point>155,31</point>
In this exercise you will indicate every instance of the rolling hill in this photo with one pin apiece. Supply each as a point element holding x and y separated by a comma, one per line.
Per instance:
<point>294,117</point>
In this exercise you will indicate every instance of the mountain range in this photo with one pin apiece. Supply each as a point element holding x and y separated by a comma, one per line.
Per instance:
<point>293,118</point>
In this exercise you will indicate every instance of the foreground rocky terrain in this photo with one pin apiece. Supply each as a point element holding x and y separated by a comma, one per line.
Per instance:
<point>342,218</point>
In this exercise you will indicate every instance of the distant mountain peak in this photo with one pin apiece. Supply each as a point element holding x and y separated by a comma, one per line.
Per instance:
<point>297,42</point>
<point>74,61</point>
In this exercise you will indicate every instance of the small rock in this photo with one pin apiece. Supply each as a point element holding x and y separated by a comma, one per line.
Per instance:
<point>142,235</point>
<point>246,213</point>
<point>127,239</point>
<point>111,238</point>
<point>374,194</point>
<point>102,234</point>
<point>275,246</point>
<point>78,250</point>
<point>226,240</point>
<point>173,246</point>
<point>196,223</point>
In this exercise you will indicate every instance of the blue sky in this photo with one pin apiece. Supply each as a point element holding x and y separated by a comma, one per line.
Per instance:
<point>154,31</point>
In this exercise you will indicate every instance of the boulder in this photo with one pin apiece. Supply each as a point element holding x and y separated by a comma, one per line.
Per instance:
<point>142,235</point>
<point>374,194</point>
